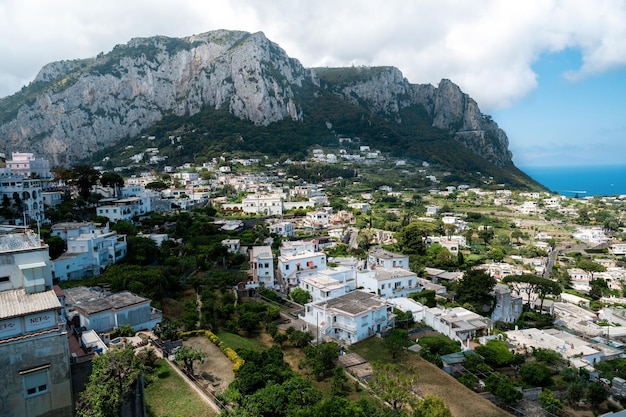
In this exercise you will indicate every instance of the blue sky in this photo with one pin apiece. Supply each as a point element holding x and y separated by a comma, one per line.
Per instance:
<point>551,73</point>
<point>565,121</point>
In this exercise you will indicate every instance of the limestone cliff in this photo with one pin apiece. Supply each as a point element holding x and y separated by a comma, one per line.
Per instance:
<point>74,108</point>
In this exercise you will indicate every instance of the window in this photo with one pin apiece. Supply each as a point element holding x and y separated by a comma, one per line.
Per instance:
<point>5,279</point>
<point>35,381</point>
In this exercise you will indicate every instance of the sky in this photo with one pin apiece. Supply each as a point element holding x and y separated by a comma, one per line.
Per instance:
<point>551,73</point>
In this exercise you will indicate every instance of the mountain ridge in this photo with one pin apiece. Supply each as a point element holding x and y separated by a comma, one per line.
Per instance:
<point>74,108</point>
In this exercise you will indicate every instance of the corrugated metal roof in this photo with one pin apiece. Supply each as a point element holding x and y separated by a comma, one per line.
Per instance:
<point>15,303</point>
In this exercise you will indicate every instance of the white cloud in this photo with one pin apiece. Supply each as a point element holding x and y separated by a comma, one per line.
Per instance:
<point>486,46</point>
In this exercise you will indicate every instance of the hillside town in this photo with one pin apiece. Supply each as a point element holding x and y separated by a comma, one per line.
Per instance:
<point>346,261</point>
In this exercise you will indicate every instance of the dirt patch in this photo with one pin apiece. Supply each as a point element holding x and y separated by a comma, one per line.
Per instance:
<point>216,371</point>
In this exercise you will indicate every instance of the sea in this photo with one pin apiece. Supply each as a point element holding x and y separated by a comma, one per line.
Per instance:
<point>581,181</point>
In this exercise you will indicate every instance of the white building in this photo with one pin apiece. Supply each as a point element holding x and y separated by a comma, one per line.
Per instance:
<point>102,311</point>
<point>382,258</point>
<point>349,318</point>
<point>125,208</point>
<point>291,267</point>
<point>457,323</point>
<point>89,252</point>
<point>389,283</point>
<point>34,348</point>
<point>232,245</point>
<point>26,164</point>
<point>263,204</point>
<point>24,194</point>
<point>262,267</point>
<point>284,229</point>
<point>317,219</point>
<point>329,283</point>
<point>508,306</point>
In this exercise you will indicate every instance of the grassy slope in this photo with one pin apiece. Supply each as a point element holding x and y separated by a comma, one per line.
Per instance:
<point>170,396</point>
<point>462,401</point>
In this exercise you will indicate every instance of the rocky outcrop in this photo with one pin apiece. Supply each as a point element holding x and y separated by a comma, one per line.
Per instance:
<point>74,108</point>
<point>386,91</point>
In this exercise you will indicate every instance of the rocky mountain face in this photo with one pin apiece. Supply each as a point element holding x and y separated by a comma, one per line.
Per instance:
<point>74,108</point>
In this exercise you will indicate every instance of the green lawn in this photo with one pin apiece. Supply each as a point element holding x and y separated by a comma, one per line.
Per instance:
<point>234,341</point>
<point>169,396</point>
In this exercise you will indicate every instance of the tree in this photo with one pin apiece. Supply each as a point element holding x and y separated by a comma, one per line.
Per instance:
<point>300,296</point>
<point>497,254</point>
<point>299,338</point>
<point>468,379</point>
<point>590,266</point>
<point>392,384</point>
<point>486,234</point>
<point>248,321</point>
<point>533,285</point>
<point>84,177</point>
<point>395,341</point>
<point>500,385</point>
<point>476,288</point>
<point>548,402</point>
<point>517,234</point>
<point>431,406</point>
<point>56,246</point>
<point>599,288</point>
<point>496,353</point>
<point>187,356</point>
<point>112,180</point>
<point>126,330</point>
<point>411,238</point>
<point>596,393</point>
<point>536,374</point>
<point>166,330</point>
<point>339,379</point>
<point>112,380</point>
<point>322,357</point>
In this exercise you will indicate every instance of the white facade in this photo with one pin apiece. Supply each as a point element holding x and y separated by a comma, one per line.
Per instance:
<point>88,254</point>
<point>292,267</point>
<point>27,193</point>
<point>284,229</point>
<point>329,283</point>
<point>317,219</point>
<point>389,283</point>
<point>232,245</point>
<point>26,164</point>
<point>262,267</point>
<point>457,323</point>
<point>103,312</point>
<point>263,204</point>
<point>125,208</point>
<point>349,318</point>
<point>34,349</point>
<point>382,258</point>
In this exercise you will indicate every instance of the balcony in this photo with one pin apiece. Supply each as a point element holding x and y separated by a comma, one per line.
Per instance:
<point>344,326</point>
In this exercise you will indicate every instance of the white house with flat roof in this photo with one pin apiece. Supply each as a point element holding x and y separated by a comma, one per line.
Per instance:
<point>329,283</point>
<point>102,311</point>
<point>262,267</point>
<point>284,229</point>
<point>382,258</point>
<point>388,283</point>
<point>349,318</point>
<point>291,267</point>
<point>89,252</point>
<point>457,323</point>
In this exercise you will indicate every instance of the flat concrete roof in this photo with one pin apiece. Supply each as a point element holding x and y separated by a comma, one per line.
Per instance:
<point>356,302</point>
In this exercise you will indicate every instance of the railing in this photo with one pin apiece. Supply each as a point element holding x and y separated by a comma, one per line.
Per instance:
<point>345,326</point>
